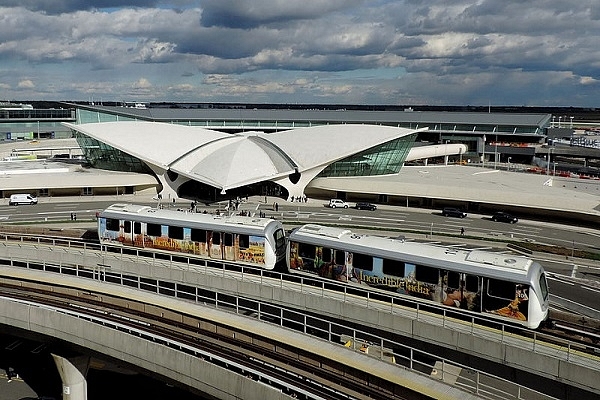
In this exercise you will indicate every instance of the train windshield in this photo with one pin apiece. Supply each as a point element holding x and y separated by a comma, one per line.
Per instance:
<point>544,286</point>
<point>279,236</point>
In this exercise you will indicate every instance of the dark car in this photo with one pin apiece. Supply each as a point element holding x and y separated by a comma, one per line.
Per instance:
<point>502,216</point>
<point>453,212</point>
<point>365,206</point>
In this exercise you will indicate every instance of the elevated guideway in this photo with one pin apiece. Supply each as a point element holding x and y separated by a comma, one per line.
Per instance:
<point>529,357</point>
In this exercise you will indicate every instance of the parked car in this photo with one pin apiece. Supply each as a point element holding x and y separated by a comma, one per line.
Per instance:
<point>453,212</point>
<point>335,203</point>
<point>16,199</point>
<point>365,206</point>
<point>501,216</point>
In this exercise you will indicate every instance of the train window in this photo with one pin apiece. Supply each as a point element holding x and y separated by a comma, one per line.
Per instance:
<point>362,261</point>
<point>154,230</point>
<point>112,224</point>
<point>501,289</point>
<point>393,267</point>
<point>127,226</point>
<point>137,228</point>
<point>340,257</point>
<point>326,255</point>
<point>216,238</point>
<point>472,283</point>
<point>198,235</point>
<point>544,286</point>
<point>279,238</point>
<point>176,232</point>
<point>306,250</point>
<point>228,239</point>
<point>453,280</point>
<point>244,241</point>
<point>427,274</point>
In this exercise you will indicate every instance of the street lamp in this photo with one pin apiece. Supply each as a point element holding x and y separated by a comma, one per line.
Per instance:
<point>496,151</point>
<point>548,161</point>
<point>559,121</point>
<point>483,154</point>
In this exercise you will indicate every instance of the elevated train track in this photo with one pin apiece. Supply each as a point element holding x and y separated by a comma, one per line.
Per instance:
<point>311,374</point>
<point>292,370</point>
<point>41,241</point>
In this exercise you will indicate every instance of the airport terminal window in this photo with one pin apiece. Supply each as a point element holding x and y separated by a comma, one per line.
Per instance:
<point>154,230</point>
<point>102,156</point>
<point>113,224</point>
<point>393,267</point>
<point>379,160</point>
<point>362,261</point>
<point>198,235</point>
<point>176,232</point>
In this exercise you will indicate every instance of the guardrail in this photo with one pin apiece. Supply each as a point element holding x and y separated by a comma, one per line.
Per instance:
<point>364,343</point>
<point>310,285</point>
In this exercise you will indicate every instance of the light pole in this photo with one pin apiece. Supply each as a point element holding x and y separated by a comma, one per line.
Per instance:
<point>483,154</point>
<point>496,152</point>
<point>571,122</point>
<point>548,162</point>
<point>559,121</point>
<point>508,168</point>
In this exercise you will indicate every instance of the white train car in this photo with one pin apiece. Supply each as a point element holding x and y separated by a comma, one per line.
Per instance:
<point>508,287</point>
<point>259,242</point>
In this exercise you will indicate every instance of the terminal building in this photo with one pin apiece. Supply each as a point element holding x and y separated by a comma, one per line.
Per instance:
<point>211,153</point>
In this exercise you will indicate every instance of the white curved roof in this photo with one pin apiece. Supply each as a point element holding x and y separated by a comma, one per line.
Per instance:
<point>228,160</point>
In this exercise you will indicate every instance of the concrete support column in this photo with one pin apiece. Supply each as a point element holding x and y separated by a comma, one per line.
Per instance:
<point>72,373</point>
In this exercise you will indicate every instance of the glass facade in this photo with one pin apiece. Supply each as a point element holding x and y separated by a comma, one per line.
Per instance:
<point>102,156</point>
<point>384,159</point>
<point>61,114</point>
<point>88,116</point>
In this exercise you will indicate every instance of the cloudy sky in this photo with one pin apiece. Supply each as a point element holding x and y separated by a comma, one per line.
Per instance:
<point>436,52</point>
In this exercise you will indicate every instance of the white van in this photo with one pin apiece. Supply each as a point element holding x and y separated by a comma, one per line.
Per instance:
<point>16,199</point>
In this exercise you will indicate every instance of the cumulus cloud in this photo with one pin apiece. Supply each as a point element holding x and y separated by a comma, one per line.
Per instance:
<point>26,84</point>
<point>539,52</point>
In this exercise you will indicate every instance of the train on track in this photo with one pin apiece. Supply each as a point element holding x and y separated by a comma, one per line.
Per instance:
<point>502,286</point>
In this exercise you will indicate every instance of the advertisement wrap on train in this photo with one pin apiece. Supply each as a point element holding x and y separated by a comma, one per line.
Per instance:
<point>507,287</point>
